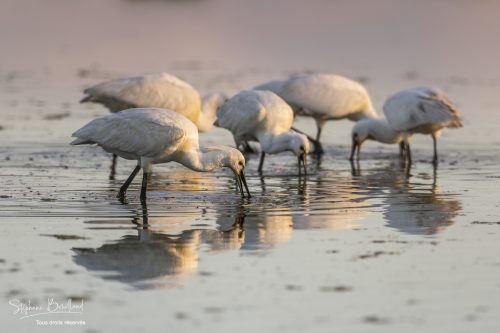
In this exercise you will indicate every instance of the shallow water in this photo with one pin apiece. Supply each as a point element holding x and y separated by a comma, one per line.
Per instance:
<point>353,248</point>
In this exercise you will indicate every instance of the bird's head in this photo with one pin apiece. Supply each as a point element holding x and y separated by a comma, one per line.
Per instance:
<point>234,160</point>
<point>299,145</point>
<point>361,131</point>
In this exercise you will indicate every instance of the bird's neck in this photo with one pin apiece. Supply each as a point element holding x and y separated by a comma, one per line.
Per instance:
<point>274,143</point>
<point>384,133</point>
<point>208,113</point>
<point>198,160</point>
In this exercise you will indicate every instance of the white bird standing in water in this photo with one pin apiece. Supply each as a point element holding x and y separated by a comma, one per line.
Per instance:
<point>264,117</point>
<point>418,110</point>
<point>160,90</point>
<point>153,136</point>
<point>324,97</point>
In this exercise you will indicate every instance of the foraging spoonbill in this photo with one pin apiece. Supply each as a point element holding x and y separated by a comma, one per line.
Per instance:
<point>160,90</point>
<point>264,117</point>
<point>153,136</point>
<point>421,110</point>
<point>324,97</point>
<point>374,129</point>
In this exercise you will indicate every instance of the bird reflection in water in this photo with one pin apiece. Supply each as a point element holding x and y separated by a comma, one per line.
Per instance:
<point>413,204</point>
<point>147,260</point>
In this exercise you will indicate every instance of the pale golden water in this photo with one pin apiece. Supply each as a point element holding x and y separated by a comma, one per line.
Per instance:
<point>349,250</point>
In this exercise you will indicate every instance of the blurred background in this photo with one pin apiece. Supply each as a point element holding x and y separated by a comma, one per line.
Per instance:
<point>51,49</point>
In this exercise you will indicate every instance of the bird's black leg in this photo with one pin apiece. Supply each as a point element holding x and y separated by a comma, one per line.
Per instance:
<point>435,158</point>
<point>113,168</point>
<point>247,148</point>
<point>318,148</point>
<point>408,153</point>
<point>261,163</point>
<point>144,187</point>
<point>129,180</point>
<point>353,149</point>
<point>402,149</point>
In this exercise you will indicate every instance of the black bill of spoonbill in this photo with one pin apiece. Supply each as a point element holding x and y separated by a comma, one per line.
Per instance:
<point>374,129</point>
<point>263,116</point>
<point>151,136</point>
<point>324,97</point>
<point>159,90</point>
<point>421,110</point>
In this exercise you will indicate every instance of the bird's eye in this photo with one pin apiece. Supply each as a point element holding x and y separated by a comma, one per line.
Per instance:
<point>355,135</point>
<point>301,147</point>
<point>240,163</point>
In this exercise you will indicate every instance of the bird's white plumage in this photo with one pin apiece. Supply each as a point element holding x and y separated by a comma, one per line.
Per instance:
<point>328,96</point>
<point>251,113</point>
<point>376,129</point>
<point>160,90</point>
<point>136,133</point>
<point>421,110</point>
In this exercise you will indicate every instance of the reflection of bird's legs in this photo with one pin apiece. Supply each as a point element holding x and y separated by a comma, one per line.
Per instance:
<point>355,168</point>
<point>435,158</point>
<point>144,207</point>
<point>261,162</point>
<point>113,168</point>
<point>129,180</point>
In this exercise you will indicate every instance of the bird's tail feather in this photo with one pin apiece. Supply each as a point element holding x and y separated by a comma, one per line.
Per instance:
<point>86,99</point>
<point>81,141</point>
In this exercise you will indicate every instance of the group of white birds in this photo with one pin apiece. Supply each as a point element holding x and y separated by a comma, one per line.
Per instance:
<point>156,119</point>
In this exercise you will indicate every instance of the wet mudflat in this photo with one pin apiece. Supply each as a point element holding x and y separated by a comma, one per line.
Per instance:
<point>364,248</point>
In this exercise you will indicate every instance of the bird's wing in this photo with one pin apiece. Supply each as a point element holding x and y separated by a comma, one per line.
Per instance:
<point>140,132</point>
<point>153,90</point>
<point>416,107</point>
<point>278,114</point>
<point>332,95</point>
<point>241,114</point>
<point>275,86</point>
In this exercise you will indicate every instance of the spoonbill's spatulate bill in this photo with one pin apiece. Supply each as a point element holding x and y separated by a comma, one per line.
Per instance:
<point>153,136</point>
<point>160,90</point>
<point>324,97</point>
<point>264,117</point>
<point>421,110</point>
<point>374,129</point>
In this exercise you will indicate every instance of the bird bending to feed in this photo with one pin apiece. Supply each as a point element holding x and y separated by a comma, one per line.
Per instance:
<point>153,136</point>
<point>264,117</point>
<point>421,110</point>
<point>324,97</point>
<point>418,110</point>
<point>160,90</point>
<point>374,129</point>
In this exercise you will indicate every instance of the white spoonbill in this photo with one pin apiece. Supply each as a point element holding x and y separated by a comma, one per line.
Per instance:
<point>377,130</point>
<point>421,110</point>
<point>264,117</point>
<point>153,136</point>
<point>160,90</point>
<point>324,97</point>
<point>418,110</point>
